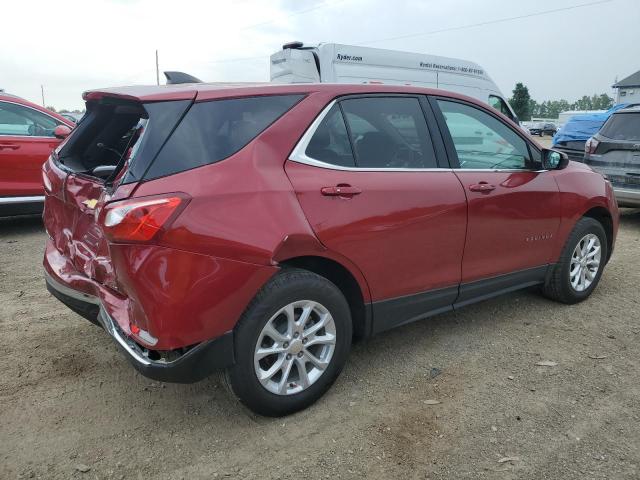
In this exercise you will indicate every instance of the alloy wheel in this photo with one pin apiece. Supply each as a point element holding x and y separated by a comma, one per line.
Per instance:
<point>295,347</point>
<point>585,262</point>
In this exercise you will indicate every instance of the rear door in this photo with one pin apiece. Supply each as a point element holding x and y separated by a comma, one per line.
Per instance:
<point>26,139</point>
<point>367,176</point>
<point>514,206</point>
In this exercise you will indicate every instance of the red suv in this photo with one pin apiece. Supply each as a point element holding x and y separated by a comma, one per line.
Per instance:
<point>28,133</point>
<point>260,228</point>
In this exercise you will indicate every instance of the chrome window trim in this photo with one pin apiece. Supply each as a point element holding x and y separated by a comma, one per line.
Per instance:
<point>299,155</point>
<point>35,110</point>
<point>12,200</point>
<point>504,170</point>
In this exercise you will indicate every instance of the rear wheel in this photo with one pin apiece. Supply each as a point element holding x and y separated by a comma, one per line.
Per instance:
<point>291,343</point>
<point>581,263</point>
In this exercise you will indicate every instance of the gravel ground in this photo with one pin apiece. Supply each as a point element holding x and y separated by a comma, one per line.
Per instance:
<point>72,407</point>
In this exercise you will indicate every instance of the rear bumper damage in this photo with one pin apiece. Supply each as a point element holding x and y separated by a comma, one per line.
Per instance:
<point>185,365</point>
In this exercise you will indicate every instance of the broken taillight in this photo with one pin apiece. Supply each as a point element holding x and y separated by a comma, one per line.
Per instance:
<point>140,219</point>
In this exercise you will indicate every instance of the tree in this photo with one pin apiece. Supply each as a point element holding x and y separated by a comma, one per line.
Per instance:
<point>604,102</point>
<point>51,108</point>
<point>534,107</point>
<point>520,101</point>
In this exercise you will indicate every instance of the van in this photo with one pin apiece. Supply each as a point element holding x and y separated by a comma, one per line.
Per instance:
<point>336,63</point>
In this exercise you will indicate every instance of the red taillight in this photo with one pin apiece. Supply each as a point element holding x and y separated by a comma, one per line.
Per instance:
<point>591,145</point>
<point>139,220</point>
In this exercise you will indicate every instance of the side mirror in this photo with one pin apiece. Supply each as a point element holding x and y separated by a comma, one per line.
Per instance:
<point>554,160</point>
<point>61,132</point>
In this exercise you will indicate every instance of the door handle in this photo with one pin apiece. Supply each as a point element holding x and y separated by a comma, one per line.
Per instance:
<point>341,190</point>
<point>482,187</point>
<point>9,146</point>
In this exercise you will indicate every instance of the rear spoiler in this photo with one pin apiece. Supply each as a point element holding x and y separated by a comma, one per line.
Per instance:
<point>174,78</point>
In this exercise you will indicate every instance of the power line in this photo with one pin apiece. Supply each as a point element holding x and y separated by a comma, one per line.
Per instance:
<point>226,60</point>
<point>293,14</point>
<point>431,32</point>
<point>488,22</point>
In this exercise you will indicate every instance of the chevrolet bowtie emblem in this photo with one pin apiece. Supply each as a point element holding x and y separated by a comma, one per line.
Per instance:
<point>91,203</point>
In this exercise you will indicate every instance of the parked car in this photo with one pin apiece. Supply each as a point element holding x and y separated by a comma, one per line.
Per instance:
<point>615,152</point>
<point>259,229</point>
<point>543,129</point>
<point>28,133</point>
<point>72,117</point>
<point>578,129</point>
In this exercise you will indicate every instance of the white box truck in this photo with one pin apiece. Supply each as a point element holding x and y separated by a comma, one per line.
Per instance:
<point>335,63</point>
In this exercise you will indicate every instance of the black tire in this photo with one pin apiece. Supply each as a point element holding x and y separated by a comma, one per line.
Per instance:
<point>287,286</point>
<point>558,285</point>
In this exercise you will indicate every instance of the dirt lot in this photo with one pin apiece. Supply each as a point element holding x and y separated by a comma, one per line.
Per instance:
<point>70,402</point>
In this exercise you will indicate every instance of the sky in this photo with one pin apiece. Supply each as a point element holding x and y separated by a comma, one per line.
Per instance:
<point>76,45</point>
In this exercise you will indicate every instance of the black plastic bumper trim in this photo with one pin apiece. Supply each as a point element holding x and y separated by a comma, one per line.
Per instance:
<point>194,365</point>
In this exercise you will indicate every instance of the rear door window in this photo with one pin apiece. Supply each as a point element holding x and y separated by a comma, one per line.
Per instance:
<point>212,131</point>
<point>389,132</point>
<point>622,126</point>
<point>330,142</point>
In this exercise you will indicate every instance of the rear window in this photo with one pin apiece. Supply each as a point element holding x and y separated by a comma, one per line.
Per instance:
<point>622,126</point>
<point>212,131</point>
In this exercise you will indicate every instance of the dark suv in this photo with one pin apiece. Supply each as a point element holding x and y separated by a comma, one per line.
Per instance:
<point>543,129</point>
<point>615,152</point>
<point>260,229</point>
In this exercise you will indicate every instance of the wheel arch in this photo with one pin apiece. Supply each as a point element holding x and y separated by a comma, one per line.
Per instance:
<point>603,216</point>
<point>346,281</point>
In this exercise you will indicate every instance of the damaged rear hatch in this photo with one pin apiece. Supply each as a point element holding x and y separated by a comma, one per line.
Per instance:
<point>101,161</point>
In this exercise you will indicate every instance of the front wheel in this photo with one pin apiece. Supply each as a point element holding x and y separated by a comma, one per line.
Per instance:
<point>291,343</point>
<point>581,263</point>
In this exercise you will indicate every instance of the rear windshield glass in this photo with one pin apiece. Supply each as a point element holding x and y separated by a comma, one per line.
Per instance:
<point>212,131</point>
<point>622,126</point>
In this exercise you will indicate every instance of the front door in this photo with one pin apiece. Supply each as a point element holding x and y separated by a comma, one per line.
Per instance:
<point>514,206</point>
<point>373,193</point>
<point>26,140</point>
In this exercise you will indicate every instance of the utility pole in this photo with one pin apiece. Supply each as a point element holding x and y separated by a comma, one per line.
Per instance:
<point>42,92</point>
<point>157,70</point>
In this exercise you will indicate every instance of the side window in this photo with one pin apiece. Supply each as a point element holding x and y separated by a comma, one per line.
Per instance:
<point>24,121</point>
<point>482,141</point>
<point>330,142</point>
<point>214,130</point>
<point>500,105</point>
<point>389,132</point>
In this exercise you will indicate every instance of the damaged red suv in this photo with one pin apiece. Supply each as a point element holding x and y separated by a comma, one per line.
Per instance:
<point>259,229</point>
